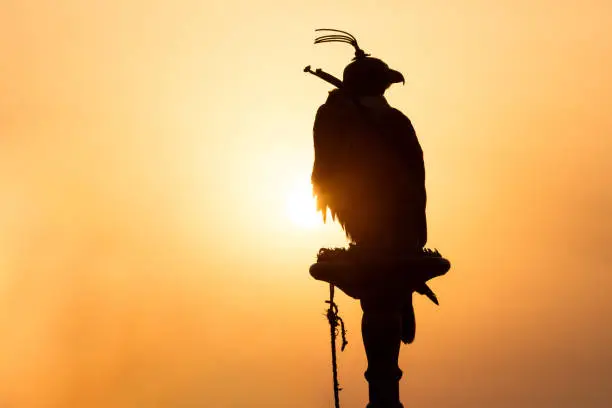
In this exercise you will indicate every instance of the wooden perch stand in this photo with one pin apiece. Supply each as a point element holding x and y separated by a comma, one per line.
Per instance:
<point>384,284</point>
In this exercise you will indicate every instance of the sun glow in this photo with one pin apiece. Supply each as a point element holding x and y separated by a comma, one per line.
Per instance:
<point>301,207</point>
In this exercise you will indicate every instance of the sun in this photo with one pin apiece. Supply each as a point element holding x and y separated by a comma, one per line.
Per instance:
<point>301,207</point>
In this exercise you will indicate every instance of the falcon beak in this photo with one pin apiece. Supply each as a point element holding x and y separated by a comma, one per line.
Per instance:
<point>395,76</point>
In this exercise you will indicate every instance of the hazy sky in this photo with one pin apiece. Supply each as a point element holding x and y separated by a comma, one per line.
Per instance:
<point>152,159</point>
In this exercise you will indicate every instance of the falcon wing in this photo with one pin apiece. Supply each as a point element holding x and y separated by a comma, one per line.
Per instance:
<point>409,170</point>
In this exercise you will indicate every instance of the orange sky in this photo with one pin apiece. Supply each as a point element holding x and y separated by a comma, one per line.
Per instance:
<point>148,151</point>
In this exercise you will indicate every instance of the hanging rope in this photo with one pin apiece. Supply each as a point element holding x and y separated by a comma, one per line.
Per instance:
<point>335,321</point>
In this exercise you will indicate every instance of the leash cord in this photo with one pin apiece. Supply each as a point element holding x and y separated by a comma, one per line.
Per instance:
<point>334,321</point>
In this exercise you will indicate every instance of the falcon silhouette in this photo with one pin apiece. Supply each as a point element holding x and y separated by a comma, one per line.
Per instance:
<point>368,169</point>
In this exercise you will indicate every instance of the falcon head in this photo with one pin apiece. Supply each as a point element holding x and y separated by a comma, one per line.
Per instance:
<point>365,76</point>
<point>369,76</point>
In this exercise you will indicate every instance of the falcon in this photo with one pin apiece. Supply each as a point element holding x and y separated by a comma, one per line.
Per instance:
<point>368,171</point>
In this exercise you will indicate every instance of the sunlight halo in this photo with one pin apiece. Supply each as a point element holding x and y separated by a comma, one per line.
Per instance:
<point>301,207</point>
